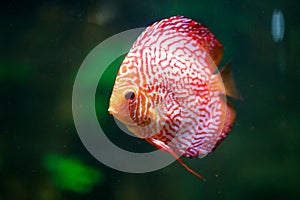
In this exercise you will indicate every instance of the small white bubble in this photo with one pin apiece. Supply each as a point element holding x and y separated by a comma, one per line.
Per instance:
<point>277,25</point>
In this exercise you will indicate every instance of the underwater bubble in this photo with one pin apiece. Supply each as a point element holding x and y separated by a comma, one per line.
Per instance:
<point>277,25</point>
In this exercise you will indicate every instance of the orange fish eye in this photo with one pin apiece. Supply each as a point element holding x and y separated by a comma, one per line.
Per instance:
<point>129,95</point>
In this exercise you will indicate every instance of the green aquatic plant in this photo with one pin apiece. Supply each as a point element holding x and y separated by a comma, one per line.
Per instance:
<point>71,174</point>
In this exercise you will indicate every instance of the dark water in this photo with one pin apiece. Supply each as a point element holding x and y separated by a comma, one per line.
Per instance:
<point>42,46</point>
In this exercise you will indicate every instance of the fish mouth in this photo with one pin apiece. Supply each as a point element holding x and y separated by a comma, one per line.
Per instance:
<point>111,111</point>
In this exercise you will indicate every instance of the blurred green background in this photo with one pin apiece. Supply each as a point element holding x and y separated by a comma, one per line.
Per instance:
<point>42,45</point>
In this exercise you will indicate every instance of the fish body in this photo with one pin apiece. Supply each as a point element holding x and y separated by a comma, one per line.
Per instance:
<point>168,89</point>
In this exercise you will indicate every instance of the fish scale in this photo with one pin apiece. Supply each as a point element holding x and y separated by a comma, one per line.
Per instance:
<point>179,104</point>
<point>181,141</point>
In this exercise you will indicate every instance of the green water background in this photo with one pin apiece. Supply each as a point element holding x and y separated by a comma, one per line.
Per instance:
<point>42,45</point>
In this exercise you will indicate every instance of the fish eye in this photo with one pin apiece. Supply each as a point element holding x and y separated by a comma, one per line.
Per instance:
<point>129,95</point>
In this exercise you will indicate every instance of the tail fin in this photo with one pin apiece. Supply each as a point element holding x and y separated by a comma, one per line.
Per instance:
<point>228,82</point>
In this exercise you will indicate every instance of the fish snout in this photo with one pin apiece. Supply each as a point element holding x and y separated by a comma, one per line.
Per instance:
<point>112,111</point>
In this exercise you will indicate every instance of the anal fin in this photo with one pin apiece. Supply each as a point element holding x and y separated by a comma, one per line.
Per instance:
<point>229,121</point>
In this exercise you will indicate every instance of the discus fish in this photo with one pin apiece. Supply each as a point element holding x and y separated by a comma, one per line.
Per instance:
<point>168,89</point>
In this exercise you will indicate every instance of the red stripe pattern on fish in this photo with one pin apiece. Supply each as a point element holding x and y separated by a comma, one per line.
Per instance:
<point>168,89</point>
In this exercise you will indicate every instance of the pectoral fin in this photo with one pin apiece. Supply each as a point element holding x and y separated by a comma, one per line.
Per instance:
<point>162,146</point>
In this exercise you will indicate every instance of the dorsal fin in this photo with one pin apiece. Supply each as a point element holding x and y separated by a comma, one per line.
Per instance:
<point>193,29</point>
<point>200,33</point>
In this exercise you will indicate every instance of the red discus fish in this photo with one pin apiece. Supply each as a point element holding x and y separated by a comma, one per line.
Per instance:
<point>168,89</point>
